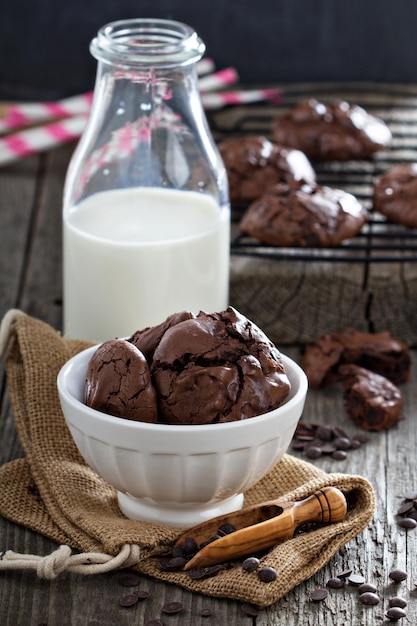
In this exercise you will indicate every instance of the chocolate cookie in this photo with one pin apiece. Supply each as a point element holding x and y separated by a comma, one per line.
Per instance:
<point>331,132</point>
<point>254,163</point>
<point>377,352</point>
<point>305,215</point>
<point>217,367</point>
<point>371,400</point>
<point>118,382</point>
<point>395,194</point>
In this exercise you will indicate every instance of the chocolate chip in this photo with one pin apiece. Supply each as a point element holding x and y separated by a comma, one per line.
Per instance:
<point>190,546</point>
<point>345,574</point>
<point>405,507</point>
<point>129,600</point>
<point>198,573</point>
<point>335,583</point>
<point>129,580</point>
<point>173,565</point>
<point>227,529</point>
<point>205,613</point>
<point>339,455</point>
<point>313,452</point>
<point>324,433</point>
<point>369,598</point>
<point>356,579</point>
<point>172,607</point>
<point>407,522</point>
<point>250,609</point>
<point>319,594</point>
<point>367,587</point>
<point>395,613</point>
<point>398,575</point>
<point>267,574</point>
<point>397,601</point>
<point>142,594</point>
<point>342,443</point>
<point>250,564</point>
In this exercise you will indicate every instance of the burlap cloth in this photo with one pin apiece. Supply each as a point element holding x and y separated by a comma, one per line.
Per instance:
<point>53,491</point>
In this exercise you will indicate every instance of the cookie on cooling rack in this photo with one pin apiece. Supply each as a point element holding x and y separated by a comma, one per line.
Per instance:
<point>254,163</point>
<point>338,131</point>
<point>303,214</point>
<point>395,194</point>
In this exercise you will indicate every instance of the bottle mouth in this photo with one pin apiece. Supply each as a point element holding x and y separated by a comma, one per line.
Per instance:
<point>143,42</point>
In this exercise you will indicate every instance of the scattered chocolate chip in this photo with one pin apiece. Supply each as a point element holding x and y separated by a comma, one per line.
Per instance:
<point>407,522</point>
<point>395,613</point>
<point>367,587</point>
<point>227,529</point>
<point>190,546</point>
<point>319,594</point>
<point>267,574</point>
<point>142,594</point>
<point>198,573</point>
<point>345,574</point>
<point>397,601</point>
<point>316,440</point>
<point>335,583</point>
<point>339,455</point>
<point>129,600</point>
<point>369,598</point>
<point>172,607</point>
<point>250,609</point>
<point>356,579</point>
<point>251,564</point>
<point>205,613</point>
<point>129,580</point>
<point>398,575</point>
<point>406,507</point>
<point>173,565</point>
<point>313,452</point>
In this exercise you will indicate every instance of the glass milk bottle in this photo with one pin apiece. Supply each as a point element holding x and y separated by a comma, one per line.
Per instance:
<point>146,214</point>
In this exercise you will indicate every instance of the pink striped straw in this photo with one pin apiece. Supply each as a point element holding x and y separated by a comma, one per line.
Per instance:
<point>218,80</point>
<point>21,115</point>
<point>27,142</point>
<point>225,98</point>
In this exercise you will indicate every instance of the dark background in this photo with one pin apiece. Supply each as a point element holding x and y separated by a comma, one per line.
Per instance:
<point>44,44</point>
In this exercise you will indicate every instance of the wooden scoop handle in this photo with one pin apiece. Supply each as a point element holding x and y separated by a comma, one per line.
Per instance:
<point>325,506</point>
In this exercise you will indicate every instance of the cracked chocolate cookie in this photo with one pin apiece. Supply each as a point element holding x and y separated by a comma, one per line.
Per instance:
<point>217,367</point>
<point>338,131</point>
<point>304,215</point>
<point>254,163</point>
<point>118,382</point>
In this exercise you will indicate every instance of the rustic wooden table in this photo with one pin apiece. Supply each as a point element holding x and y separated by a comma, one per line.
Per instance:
<point>30,279</point>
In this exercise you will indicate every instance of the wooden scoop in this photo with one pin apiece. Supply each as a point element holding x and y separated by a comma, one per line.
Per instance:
<point>262,526</point>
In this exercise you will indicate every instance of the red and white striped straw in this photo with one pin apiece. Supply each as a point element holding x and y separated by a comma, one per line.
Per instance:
<point>34,140</point>
<point>218,100</point>
<point>26,114</point>
<point>218,80</point>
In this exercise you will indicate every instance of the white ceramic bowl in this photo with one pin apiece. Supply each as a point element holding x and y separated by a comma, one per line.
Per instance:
<point>178,475</point>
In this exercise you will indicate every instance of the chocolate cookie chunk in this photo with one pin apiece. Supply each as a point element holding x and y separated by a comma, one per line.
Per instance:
<point>371,400</point>
<point>305,215</point>
<point>395,194</point>
<point>147,340</point>
<point>254,163</point>
<point>338,131</point>
<point>118,382</point>
<point>377,352</point>
<point>217,367</point>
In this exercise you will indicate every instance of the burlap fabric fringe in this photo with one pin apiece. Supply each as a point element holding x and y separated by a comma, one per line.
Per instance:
<point>53,491</point>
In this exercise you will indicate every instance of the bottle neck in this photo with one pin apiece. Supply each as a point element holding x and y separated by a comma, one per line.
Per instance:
<point>147,43</point>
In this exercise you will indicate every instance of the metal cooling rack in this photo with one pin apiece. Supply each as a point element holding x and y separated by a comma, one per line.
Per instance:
<point>379,241</point>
